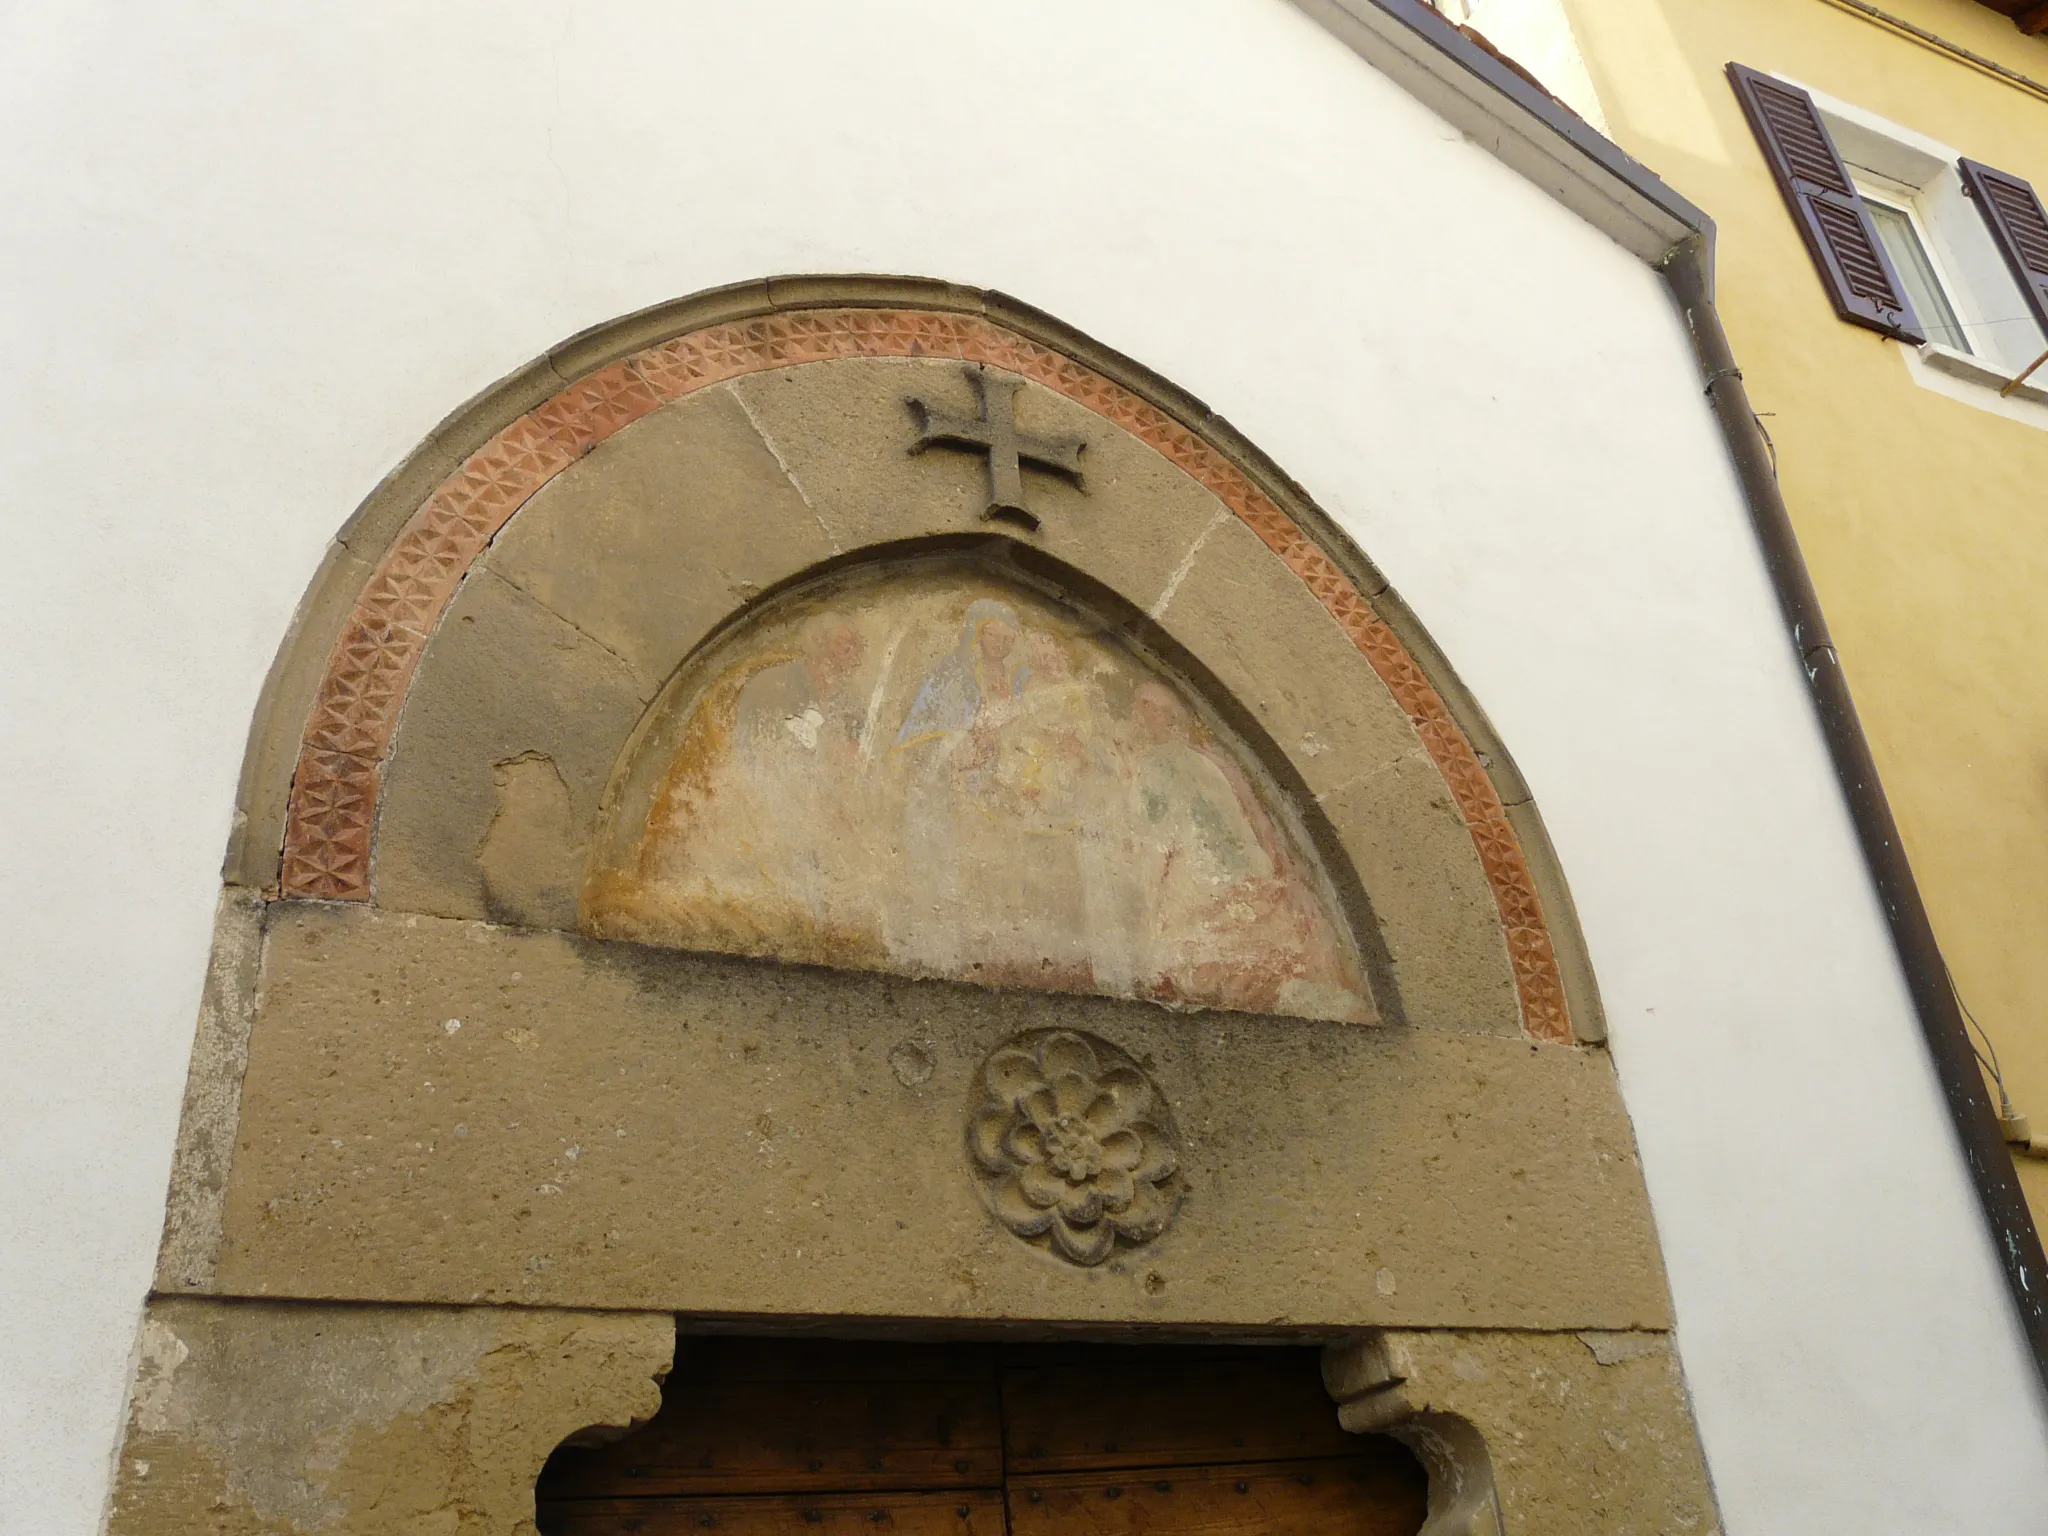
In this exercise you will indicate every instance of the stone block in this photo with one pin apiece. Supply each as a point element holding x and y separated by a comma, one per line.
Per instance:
<point>451,1112</point>
<point>1438,917</point>
<point>500,762</point>
<point>254,1419</point>
<point>213,1095</point>
<point>844,430</point>
<point>1277,652</point>
<point>1588,1432</point>
<point>653,538</point>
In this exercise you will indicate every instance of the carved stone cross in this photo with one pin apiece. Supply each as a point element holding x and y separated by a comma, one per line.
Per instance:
<point>994,432</point>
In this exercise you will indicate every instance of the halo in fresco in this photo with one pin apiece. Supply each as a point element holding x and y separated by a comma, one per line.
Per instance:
<point>940,773</point>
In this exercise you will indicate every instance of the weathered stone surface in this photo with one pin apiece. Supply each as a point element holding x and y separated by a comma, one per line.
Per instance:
<point>1279,655</point>
<point>213,1095</point>
<point>1437,915</point>
<point>276,732</point>
<point>844,431</point>
<point>255,1419</point>
<point>525,700</point>
<point>507,741</point>
<point>1561,922</point>
<point>1588,1433</point>
<point>440,1111</point>
<point>653,538</point>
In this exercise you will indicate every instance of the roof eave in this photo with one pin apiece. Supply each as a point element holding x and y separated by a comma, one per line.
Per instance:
<point>1515,121</point>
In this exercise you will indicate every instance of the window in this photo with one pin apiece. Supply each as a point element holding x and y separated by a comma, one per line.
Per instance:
<point>1898,230</point>
<point>1911,237</point>
<point>1937,239</point>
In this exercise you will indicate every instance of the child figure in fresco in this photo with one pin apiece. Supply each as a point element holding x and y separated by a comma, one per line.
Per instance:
<point>981,668</point>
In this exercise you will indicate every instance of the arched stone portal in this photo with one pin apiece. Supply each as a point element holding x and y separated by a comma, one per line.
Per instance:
<point>845,801</point>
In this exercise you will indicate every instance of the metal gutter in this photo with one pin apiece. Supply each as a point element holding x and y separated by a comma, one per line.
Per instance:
<point>1934,42</point>
<point>1521,125</point>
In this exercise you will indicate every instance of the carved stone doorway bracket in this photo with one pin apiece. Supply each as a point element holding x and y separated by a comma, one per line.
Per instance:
<point>1524,1434</point>
<point>259,1417</point>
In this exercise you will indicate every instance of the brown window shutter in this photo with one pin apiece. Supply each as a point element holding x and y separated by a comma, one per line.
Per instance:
<point>2018,225</point>
<point>1853,266</point>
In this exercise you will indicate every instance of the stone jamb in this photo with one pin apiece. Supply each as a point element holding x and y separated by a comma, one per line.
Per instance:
<point>254,1418</point>
<point>1529,1432</point>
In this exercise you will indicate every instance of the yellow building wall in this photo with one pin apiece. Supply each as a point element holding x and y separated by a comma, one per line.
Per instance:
<point>1925,521</point>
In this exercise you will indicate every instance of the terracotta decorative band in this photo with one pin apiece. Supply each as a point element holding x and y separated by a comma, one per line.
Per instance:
<point>331,823</point>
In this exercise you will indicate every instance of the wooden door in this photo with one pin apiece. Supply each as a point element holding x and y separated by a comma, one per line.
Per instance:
<point>760,1437</point>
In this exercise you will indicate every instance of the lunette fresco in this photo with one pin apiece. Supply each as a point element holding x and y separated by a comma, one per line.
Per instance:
<point>940,773</point>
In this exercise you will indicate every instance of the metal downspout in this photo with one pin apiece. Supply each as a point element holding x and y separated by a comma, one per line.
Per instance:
<point>1689,271</point>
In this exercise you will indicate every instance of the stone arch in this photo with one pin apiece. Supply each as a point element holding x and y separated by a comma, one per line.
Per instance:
<point>326,796</point>
<point>424,1091</point>
<point>494,632</point>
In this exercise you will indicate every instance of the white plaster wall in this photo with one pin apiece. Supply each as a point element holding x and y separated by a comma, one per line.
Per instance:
<point>254,252</point>
<point>1536,34</point>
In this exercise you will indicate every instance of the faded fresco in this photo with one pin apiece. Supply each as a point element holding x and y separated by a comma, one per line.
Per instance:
<point>941,774</point>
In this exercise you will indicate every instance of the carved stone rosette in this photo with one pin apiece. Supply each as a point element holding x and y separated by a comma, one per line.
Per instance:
<point>1073,1147</point>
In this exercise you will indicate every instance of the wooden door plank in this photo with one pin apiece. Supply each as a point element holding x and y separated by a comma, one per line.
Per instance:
<point>1266,1405</point>
<point>977,1512</point>
<point>1052,1355</point>
<point>1381,1492</point>
<point>725,1357</point>
<point>738,1437</point>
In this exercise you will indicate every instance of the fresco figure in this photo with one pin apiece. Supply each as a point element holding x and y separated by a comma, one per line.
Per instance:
<point>798,728</point>
<point>939,768</point>
<point>981,668</point>
<point>1046,755</point>
<point>1226,921</point>
<point>1047,747</point>
<point>939,774</point>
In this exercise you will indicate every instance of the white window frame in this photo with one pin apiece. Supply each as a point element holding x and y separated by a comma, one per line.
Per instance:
<point>1905,169</point>
<point>1900,198</point>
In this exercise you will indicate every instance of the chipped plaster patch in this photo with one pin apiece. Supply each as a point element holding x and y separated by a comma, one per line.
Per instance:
<point>1620,1348</point>
<point>155,1386</point>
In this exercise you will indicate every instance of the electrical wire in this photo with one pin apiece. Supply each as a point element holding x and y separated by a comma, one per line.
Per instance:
<point>1758,417</point>
<point>1989,1064</point>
